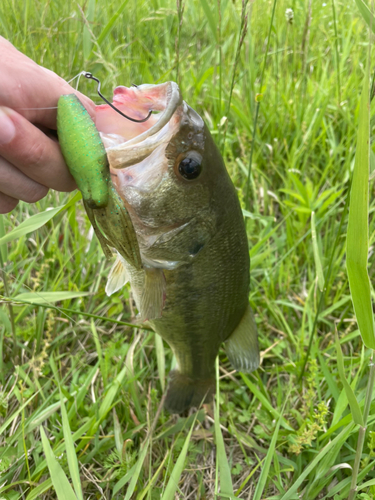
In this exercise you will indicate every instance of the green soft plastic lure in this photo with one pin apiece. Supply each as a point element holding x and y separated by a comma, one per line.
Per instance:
<point>85,156</point>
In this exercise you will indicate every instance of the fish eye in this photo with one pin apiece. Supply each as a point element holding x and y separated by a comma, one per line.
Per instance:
<point>190,168</point>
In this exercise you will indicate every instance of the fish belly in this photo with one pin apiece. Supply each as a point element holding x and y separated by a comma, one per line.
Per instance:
<point>204,302</point>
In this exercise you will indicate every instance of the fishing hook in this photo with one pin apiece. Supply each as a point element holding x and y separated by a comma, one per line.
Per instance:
<point>90,76</point>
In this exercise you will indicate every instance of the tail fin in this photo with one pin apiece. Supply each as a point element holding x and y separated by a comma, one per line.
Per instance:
<point>184,392</point>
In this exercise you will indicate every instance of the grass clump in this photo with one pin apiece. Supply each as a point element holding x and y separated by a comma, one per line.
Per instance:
<point>72,365</point>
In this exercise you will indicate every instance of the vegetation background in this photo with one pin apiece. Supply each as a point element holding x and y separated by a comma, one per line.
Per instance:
<point>80,389</point>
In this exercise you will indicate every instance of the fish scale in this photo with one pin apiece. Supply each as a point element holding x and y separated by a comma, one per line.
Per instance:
<point>181,236</point>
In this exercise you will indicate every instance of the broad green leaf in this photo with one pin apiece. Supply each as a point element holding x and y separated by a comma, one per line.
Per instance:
<point>37,221</point>
<point>70,452</point>
<point>353,403</point>
<point>170,490</point>
<point>224,472</point>
<point>357,235</point>
<point>317,259</point>
<point>59,480</point>
<point>45,297</point>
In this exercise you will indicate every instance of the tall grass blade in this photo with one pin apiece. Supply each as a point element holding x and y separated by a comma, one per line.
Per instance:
<point>257,393</point>
<point>211,18</point>
<point>261,482</point>
<point>37,221</point>
<point>154,478</point>
<point>226,485</point>
<point>10,420</point>
<point>160,359</point>
<point>111,23</point>
<point>45,297</point>
<point>39,490</point>
<point>99,351</point>
<point>366,14</point>
<point>70,452</point>
<point>317,259</point>
<point>353,403</point>
<point>258,100</point>
<point>59,480</point>
<point>110,396</point>
<point>129,364</point>
<point>3,248</point>
<point>170,490</point>
<point>137,470</point>
<point>119,441</point>
<point>339,439</point>
<point>357,235</point>
<point>86,38</point>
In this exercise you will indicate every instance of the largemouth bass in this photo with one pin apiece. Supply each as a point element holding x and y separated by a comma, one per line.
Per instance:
<point>159,193</point>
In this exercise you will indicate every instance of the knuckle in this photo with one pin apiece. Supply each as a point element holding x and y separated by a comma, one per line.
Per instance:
<point>35,154</point>
<point>35,193</point>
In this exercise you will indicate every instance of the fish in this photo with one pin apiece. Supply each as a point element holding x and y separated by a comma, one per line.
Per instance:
<point>158,192</point>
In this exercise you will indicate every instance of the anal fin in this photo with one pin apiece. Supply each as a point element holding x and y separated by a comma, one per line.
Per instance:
<point>153,296</point>
<point>242,346</point>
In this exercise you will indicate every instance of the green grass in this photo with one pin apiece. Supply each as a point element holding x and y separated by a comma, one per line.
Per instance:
<point>82,371</point>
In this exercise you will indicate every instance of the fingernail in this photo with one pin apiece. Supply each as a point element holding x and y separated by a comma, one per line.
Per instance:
<point>7,128</point>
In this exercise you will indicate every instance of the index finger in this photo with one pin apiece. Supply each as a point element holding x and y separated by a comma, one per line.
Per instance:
<point>29,88</point>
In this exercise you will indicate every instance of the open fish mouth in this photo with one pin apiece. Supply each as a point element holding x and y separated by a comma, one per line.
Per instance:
<point>145,158</point>
<point>127,142</point>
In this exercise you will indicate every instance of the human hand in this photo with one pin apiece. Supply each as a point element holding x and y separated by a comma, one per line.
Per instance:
<point>30,159</point>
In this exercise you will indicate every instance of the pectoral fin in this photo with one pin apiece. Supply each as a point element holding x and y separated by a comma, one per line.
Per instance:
<point>153,297</point>
<point>118,277</point>
<point>242,346</point>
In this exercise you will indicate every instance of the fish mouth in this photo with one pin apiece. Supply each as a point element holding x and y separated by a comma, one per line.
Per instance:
<point>127,142</point>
